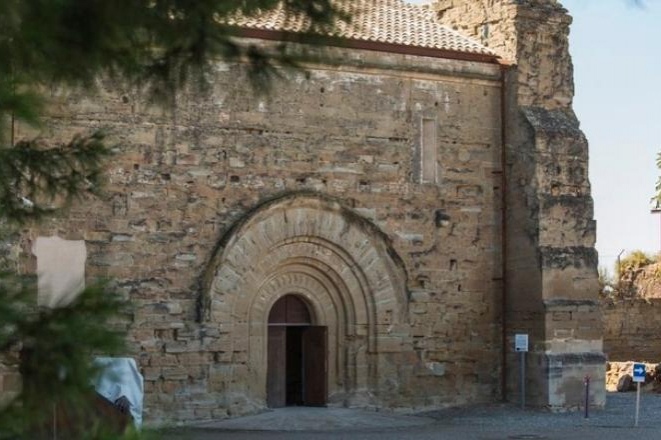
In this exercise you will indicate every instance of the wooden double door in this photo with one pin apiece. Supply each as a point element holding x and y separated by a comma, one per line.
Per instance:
<point>297,356</point>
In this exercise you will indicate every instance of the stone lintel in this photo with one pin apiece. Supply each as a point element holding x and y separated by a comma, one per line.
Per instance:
<point>572,256</point>
<point>556,361</point>
<point>555,304</point>
<point>577,203</point>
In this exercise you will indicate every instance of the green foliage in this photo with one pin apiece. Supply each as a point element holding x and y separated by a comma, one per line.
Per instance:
<point>657,189</point>
<point>57,338</point>
<point>52,349</point>
<point>634,261</point>
<point>157,45</point>
<point>637,273</point>
<point>162,43</point>
<point>35,179</point>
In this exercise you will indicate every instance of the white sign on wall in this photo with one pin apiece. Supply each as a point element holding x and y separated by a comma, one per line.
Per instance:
<point>521,342</point>
<point>60,270</point>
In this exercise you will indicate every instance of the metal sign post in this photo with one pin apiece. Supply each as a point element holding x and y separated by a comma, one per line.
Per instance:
<point>638,377</point>
<point>521,347</point>
<point>587,396</point>
<point>637,403</point>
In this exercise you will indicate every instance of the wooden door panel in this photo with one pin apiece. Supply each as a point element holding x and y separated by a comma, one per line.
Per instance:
<point>276,379</point>
<point>289,310</point>
<point>315,378</point>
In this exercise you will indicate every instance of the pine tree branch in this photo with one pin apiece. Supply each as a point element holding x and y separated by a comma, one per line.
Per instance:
<point>56,349</point>
<point>35,180</point>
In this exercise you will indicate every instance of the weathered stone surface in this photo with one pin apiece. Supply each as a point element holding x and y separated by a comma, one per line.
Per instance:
<point>221,205</point>
<point>619,376</point>
<point>625,383</point>
<point>550,230</point>
<point>640,282</point>
<point>213,215</point>
<point>630,328</point>
<point>531,34</point>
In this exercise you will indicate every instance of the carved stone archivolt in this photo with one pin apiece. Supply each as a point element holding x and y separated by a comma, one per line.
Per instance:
<point>338,262</point>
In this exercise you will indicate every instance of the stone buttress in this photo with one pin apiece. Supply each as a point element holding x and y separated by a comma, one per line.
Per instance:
<point>551,263</point>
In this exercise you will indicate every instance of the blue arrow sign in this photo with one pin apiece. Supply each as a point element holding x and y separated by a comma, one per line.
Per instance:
<point>639,372</point>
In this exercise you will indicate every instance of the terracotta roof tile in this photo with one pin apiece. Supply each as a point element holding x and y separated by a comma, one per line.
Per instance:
<point>383,21</point>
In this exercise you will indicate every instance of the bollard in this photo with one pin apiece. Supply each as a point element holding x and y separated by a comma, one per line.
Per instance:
<point>587,396</point>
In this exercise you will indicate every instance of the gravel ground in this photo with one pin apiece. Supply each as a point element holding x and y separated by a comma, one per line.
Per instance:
<point>490,422</point>
<point>619,413</point>
<point>507,421</point>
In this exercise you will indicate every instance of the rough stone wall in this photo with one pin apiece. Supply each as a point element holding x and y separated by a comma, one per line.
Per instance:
<point>533,35</point>
<point>640,282</point>
<point>615,370</point>
<point>182,180</point>
<point>551,260</point>
<point>492,23</point>
<point>631,329</point>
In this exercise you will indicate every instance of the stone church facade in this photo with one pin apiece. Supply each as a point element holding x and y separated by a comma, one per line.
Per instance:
<point>371,233</point>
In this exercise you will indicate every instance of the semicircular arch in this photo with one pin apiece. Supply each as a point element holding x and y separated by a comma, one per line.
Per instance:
<point>339,262</point>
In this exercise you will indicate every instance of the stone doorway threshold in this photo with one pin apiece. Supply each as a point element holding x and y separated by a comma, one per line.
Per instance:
<point>316,419</point>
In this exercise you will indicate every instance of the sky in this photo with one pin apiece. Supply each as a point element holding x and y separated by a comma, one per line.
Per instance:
<point>617,71</point>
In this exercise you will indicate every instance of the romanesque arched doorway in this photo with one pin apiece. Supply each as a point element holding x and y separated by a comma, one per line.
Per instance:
<point>341,266</point>
<point>297,356</point>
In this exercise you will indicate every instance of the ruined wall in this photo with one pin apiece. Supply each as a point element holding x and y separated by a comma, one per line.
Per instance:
<point>533,35</point>
<point>492,23</point>
<point>551,260</point>
<point>183,178</point>
<point>631,329</point>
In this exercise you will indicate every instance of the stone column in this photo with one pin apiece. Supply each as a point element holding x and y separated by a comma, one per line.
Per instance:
<point>552,289</point>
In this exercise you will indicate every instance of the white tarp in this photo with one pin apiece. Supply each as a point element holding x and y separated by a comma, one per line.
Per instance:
<point>120,377</point>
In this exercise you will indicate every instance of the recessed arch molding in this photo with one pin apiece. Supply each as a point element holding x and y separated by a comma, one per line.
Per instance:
<point>344,268</point>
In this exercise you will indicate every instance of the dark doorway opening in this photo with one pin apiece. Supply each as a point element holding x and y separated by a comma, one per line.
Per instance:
<point>296,356</point>
<point>294,366</point>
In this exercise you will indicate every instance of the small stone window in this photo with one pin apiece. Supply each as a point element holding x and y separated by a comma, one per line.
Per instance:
<point>428,151</point>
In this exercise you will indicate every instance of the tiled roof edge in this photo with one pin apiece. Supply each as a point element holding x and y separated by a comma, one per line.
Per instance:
<point>278,35</point>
